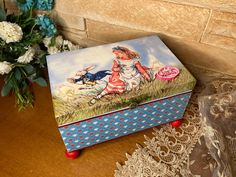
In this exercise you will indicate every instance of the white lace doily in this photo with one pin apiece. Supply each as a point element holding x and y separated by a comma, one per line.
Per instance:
<point>168,152</point>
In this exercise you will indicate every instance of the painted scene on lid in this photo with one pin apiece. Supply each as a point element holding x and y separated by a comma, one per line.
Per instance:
<point>94,81</point>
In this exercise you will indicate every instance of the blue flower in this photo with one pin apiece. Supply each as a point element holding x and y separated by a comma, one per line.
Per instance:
<point>46,25</point>
<point>44,4</point>
<point>26,6</point>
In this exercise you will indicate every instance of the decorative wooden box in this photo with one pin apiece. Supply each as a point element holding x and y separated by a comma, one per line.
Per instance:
<point>104,92</point>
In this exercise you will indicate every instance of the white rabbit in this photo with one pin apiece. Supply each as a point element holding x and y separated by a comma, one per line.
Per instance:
<point>84,71</point>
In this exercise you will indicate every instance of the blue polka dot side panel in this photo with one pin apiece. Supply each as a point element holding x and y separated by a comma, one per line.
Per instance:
<point>96,130</point>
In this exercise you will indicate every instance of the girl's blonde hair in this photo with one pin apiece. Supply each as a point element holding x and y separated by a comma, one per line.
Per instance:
<point>131,54</point>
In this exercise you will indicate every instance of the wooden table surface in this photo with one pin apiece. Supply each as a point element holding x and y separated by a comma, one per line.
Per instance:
<point>30,143</point>
<point>31,146</point>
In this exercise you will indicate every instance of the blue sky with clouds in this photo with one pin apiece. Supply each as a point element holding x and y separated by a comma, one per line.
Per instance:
<point>66,64</point>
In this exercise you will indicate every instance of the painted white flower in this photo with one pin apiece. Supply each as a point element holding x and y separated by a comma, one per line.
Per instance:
<point>5,67</point>
<point>10,32</point>
<point>27,57</point>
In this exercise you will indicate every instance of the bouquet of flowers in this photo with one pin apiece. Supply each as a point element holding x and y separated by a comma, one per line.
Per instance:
<point>25,40</point>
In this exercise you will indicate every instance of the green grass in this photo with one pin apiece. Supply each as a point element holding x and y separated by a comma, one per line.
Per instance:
<point>67,112</point>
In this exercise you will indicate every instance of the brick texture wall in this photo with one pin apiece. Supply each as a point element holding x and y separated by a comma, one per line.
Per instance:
<point>200,32</point>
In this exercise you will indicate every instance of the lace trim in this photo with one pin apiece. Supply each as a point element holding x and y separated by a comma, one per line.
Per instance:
<point>231,142</point>
<point>167,153</point>
<point>216,146</point>
<point>222,109</point>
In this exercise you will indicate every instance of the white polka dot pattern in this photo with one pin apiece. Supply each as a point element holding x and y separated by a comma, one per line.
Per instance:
<point>89,132</point>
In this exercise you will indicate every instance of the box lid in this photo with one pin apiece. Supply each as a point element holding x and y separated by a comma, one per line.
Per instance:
<point>95,81</point>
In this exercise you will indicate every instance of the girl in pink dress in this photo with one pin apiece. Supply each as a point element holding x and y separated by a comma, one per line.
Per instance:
<point>127,73</point>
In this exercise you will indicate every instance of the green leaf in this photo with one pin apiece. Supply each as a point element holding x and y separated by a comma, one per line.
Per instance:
<point>17,74</point>
<point>41,59</point>
<point>52,42</point>
<point>41,81</point>
<point>6,89</point>
<point>28,25</point>
<point>32,38</point>
<point>21,1</point>
<point>29,69</point>
<point>24,85</point>
<point>3,15</point>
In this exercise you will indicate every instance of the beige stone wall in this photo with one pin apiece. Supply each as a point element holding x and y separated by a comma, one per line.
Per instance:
<point>211,22</point>
<point>10,5</point>
<point>1,3</point>
<point>199,32</point>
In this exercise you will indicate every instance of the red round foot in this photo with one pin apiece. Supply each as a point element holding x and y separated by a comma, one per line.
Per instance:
<point>73,154</point>
<point>176,123</point>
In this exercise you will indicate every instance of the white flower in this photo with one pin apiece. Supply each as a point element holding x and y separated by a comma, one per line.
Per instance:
<point>53,50</point>
<point>47,41</point>
<point>10,32</point>
<point>27,57</point>
<point>59,40</point>
<point>70,46</point>
<point>60,45</point>
<point>5,67</point>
